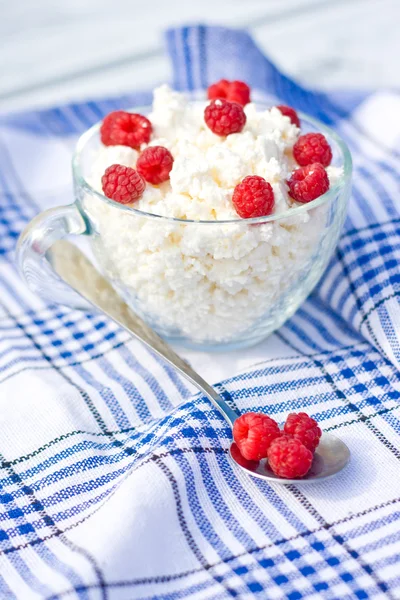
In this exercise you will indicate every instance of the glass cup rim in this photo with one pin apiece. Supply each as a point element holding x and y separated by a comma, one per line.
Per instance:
<point>290,212</point>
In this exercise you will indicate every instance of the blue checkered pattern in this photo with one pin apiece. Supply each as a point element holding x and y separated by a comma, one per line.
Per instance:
<point>114,477</point>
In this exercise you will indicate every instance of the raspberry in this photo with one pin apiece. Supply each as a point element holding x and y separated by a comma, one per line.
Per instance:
<point>155,164</point>
<point>288,111</point>
<point>234,91</point>
<point>239,92</point>
<point>224,117</point>
<point>303,428</point>
<point>239,458</point>
<point>312,148</point>
<point>289,458</point>
<point>122,184</point>
<point>253,197</point>
<point>253,433</point>
<point>218,90</point>
<point>308,183</point>
<point>121,128</point>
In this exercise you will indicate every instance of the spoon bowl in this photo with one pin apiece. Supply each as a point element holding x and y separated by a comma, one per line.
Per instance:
<point>331,456</point>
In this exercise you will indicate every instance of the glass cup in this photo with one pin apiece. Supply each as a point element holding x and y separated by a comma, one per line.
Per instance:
<point>205,284</point>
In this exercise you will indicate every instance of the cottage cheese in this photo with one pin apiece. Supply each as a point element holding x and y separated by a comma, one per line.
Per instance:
<point>212,282</point>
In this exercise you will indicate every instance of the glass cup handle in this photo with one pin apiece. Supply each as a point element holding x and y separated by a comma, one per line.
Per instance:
<point>33,257</point>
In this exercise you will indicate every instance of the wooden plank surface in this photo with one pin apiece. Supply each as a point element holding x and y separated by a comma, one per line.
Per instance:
<point>56,51</point>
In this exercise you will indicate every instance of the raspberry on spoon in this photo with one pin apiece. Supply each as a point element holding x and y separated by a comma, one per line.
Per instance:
<point>122,184</point>
<point>253,197</point>
<point>303,428</point>
<point>253,434</point>
<point>154,164</point>
<point>224,117</point>
<point>308,183</point>
<point>121,128</point>
<point>312,148</point>
<point>239,458</point>
<point>289,458</point>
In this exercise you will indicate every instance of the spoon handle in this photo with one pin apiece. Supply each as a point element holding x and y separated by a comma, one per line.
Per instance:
<point>79,273</point>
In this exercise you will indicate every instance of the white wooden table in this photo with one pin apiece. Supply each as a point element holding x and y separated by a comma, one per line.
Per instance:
<point>56,51</point>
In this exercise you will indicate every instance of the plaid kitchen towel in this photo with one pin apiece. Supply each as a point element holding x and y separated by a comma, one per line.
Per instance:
<point>114,476</point>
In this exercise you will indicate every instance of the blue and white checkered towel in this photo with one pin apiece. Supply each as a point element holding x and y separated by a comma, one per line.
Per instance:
<point>115,482</point>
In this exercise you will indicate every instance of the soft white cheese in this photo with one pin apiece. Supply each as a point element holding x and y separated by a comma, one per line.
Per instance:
<point>206,282</point>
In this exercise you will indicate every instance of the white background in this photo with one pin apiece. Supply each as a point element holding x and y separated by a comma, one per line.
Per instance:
<point>52,51</point>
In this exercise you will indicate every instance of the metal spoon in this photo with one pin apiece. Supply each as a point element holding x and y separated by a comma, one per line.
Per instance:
<point>79,273</point>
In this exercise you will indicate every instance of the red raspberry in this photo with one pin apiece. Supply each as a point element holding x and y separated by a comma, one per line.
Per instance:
<point>303,428</point>
<point>253,197</point>
<point>239,458</point>
<point>121,128</point>
<point>218,90</point>
<point>289,458</point>
<point>288,111</point>
<point>234,91</point>
<point>224,117</point>
<point>122,184</point>
<point>253,433</point>
<point>312,148</point>
<point>239,92</point>
<point>308,183</point>
<point>155,164</point>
